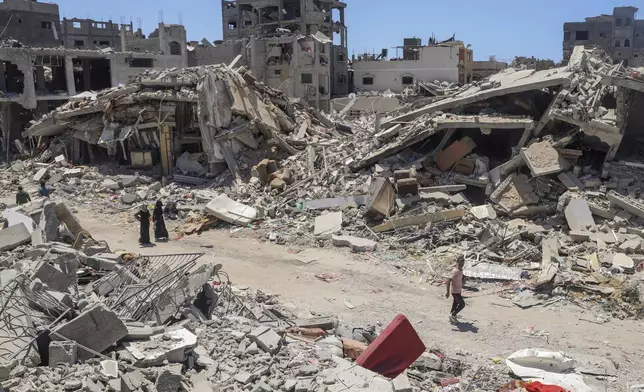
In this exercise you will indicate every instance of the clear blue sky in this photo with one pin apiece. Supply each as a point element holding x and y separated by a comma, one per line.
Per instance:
<point>505,28</point>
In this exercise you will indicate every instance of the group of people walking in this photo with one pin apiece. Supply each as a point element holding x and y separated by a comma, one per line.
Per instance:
<point>143,216</point>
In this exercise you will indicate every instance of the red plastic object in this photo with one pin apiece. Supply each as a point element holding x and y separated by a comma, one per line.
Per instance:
<point>449,381</point>
<point>394,350</point>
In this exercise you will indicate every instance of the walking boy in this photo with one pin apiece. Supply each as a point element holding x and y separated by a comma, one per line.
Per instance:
<point>456,282</point>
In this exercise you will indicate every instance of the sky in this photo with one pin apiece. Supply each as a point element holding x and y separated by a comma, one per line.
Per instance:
<point>503,28</point>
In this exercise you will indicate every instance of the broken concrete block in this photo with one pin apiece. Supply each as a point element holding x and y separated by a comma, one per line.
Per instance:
<point>169,380</point>
<point>622,261</point>
<point>570,181</point>
<point>49,222</point>
<point>40,175</point>
<point>357,244</point>
<point>128,181</point>
<point>63,352</point>
<point>230,211</point>
<point>266,339</point>
<point>65,216</point>
<point>631,246</point>
<point>380,200</point>
<point>72,173</point>
<point>435,196</point>
<point>277,183</point>
<point>13,218</point>
<point>171,347</point>
<point>402,174</point>
<point>96,328</point>
<point>543,159</point>
<point>110,368</point>
<point>129,198</point>
<point>110,185</point>
<point>458,198</point>
<point>132,381</point>
<point>404,203</point>
<point>514,192</point>
<point>56,178</point>
<point>260,171</point>
<point>447,158</point>
<point>483,212</point>
<point>14,236</point>
<point>61,160</point>
<point>54,278</point>
<point>578,215</point>
<point>244,377</point>
<point>401,383</point>
<point>328,224</point>
<point>443,188</point>
<point>407,186</point>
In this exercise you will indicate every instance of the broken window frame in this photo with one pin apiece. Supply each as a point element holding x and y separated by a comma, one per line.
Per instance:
<point>585,33</point>
<point>141,62</point>
<point>77,25</point>
<point>627,43</point>
<point>79,43</point>
<point>627,22</point>
<point>618,43</point>
<point>46,25</point>
<point>368,78</point>
<point>175,48</point>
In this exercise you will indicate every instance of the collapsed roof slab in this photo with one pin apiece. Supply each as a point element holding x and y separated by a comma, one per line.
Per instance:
<point>623,82</point>
<point>457,122</point>
<point>606,133</point>
<point>512,81</point>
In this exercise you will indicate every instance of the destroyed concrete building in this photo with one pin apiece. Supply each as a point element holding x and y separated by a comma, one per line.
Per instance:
<point>621,35</point>
<point>448,61</point>
<point>484,68</point>
<point>208,53</point>
<point>92,34</point>
<point>31,22</point>
<point>166,40</point>
<point>271,23</point>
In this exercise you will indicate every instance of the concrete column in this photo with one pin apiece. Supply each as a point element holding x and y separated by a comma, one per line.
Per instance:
<point>29,92</point>
<point>114,77</point>
<point>303,16</point>
<point>40,79</point>
<point>343,30</point>
<point>3,77</point>
<point>123,39</point>
<point>69,76</point>
<point>162,43</point>
<point>87,73</point>
<point>316,84</point>
<point>280,7</point>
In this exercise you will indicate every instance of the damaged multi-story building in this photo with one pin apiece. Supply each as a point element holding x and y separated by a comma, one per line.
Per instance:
<point>448,61</point>
<point>46,62</point>
<point>620,35</point>
<point>290,45</point>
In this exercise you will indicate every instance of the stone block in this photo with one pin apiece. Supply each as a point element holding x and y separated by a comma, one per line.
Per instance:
<point>356,244</point>
<point>40,175</point>
<point>155,187</point>
<point>61,160</point>
<point>54,278</point>
<point>267,339</point>
<point>110,185</point>
<point>96,328</point>
<point>132,381</point>
<point>328,224</point>
<point>128,181</point>
<point>380,200</point>
<point>56,178</point>
<point>63,352</point>
<point>401,174</point>
<point>622,261</point>
<point>96,249</point>
<point>578,215</point>
<point>483,212</point>
<point>129,198</point>
<point>407,186</point>
<point>14,236</point>
<point>110,368</point>
<point>402,384</point>
<point>244,377</point>
<point>169,380</point>
<point>228,210</point>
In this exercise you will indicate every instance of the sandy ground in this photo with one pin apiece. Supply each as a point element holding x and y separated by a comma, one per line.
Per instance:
<point>492,327</point>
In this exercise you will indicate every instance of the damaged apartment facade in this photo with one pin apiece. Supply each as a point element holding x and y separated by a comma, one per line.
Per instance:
<point>290,45</point>
<point>620,35</point>
<point>45,67</point>
<point>448,61</point>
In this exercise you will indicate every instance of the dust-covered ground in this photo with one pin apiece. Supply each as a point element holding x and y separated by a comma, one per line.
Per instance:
<point>366,291</point>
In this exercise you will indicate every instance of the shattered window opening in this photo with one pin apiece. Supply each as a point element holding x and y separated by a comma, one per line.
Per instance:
<point>567,35</point>
<point>618,44</point>
<point>175,48</point>
<point>627,43</point>
<point>306,78</point>
<point>618,22</point>
<point>232,25</point>
<point>581,35</point>
<point>367,80</point>
<point>278,72</point>
<point>45,25</point>
<point>340,57</point>
<point>76,25</point>
<point>79,44</point>
<point>627,22</point>
<point>342,79</point>
<point>407,80</point>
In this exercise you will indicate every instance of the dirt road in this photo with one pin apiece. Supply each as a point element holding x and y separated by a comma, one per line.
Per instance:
<point>494,327</point>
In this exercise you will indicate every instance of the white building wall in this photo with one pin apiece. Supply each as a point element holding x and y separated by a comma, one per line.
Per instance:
<point>435,63</point>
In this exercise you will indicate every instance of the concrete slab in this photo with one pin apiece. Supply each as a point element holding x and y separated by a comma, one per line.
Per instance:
<point>63,352</point>
<point>622,261</point>
<point>14,236</point>
<point>578,215</point>
<point>511,81</point>
<point>96,328</point>
<point>40,175</point>
<point>626,203</point>
<point>443,188</point>
<point>13,218</point>
<point>483,212</point>
<point>380,200</point>
<point>356,244</point>
<point>328,224</point>
<point>267,339</point>
<point>335,202</point>
<point>514,192</point>
<point>228,210</point>
<point>543,159</point>
<point>171,346</point>
<point>570,181</point>
<point>447,158</point>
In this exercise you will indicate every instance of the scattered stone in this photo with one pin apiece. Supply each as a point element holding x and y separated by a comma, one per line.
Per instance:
<point>355,243</point>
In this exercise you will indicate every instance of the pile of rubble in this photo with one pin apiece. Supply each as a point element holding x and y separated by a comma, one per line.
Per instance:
<point>504,169</point>
<point>76,316</point>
